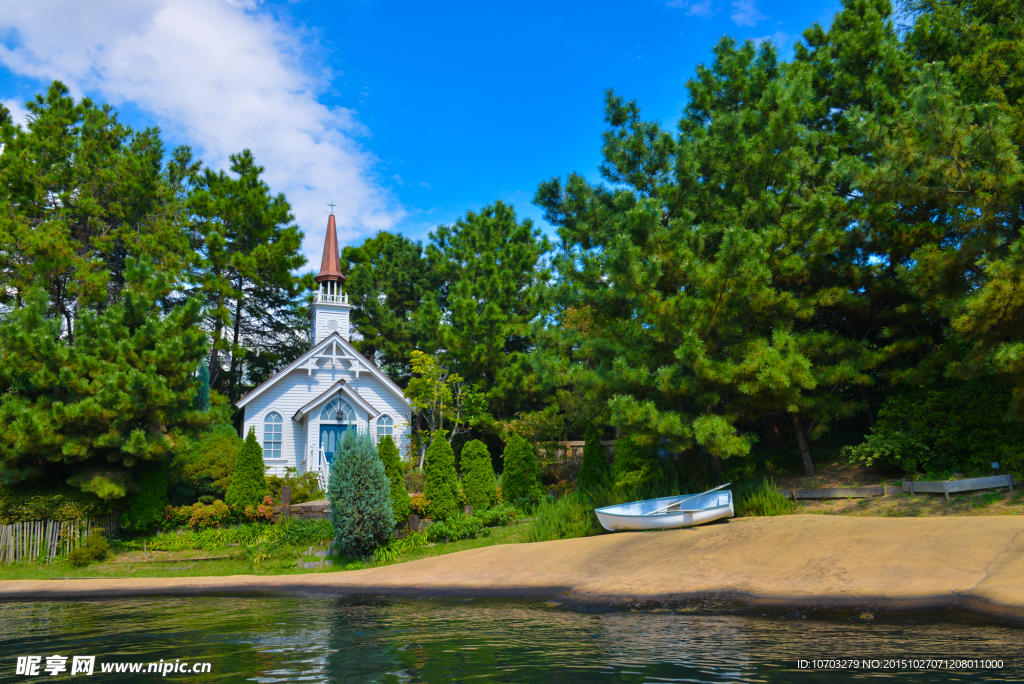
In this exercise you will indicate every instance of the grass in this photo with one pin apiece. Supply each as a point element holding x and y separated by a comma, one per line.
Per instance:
<point>235,559</point>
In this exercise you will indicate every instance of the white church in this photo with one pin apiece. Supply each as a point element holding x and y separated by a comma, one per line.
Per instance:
<point>300,413</point>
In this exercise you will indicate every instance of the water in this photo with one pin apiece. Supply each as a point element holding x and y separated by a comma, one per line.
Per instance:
<point>287,639</point>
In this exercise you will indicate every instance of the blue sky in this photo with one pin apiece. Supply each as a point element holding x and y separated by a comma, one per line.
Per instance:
<point>405,114</point>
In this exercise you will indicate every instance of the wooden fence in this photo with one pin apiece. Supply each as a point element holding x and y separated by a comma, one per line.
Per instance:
<point>907,486</point>
<point>47,539</point>
<point>572,451</point>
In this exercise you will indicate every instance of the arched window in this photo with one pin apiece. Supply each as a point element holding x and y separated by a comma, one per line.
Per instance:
<point>273,426</point>
<point>385,426</point>
<point>338,410</point>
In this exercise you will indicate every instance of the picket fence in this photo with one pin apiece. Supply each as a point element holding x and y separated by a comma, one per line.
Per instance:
<point>47,539</point>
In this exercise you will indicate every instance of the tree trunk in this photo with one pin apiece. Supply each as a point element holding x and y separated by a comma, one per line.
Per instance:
<point>867,405</point>
<point>419,431</point>
<point>805,450</point>
<point>234,343</point>
<point>716,467</point>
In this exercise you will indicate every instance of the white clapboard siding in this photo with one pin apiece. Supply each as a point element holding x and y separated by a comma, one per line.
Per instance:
<point>297,388</point>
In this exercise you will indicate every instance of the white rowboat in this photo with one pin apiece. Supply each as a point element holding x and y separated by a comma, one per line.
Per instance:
<point>667,512</point>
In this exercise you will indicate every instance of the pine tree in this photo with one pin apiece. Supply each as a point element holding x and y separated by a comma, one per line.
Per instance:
<point>389,280</point>
<point>594,468</point>
<point>359,495</point>
<point>249,481</point>
<point>521,475</point>
<point>442,486</point>
<point>494,273</point>
<point>388,453</point>
<point>247,249</point>
<point>478,481</point>
<point>116,396</point>
<point>148,501</point>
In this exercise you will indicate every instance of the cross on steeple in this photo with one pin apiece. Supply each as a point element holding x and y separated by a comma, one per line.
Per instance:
<point>331,205</point>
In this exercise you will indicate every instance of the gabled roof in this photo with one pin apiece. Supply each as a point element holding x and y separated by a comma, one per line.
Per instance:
<point>337,388</point>
<point>315,349</point>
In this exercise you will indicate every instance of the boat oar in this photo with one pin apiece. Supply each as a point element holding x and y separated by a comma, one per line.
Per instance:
<point>688,498</point>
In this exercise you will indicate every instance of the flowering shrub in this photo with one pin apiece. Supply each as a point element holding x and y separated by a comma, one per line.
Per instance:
<point>197,516</point>
<point>418,503</point>
<point>262,513</point>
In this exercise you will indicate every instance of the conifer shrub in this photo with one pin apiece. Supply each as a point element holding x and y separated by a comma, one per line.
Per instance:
<point>388,452</point>
<point>359,494</point>
<point>441,488</point>
<point>146,505</point>
<point>594,467</point>
<point>96,548</point>
<point>521,476</point>
<point>635,465</point>
<point>249,481</point>
<point>478,476</point>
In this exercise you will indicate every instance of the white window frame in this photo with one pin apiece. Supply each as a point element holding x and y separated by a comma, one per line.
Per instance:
<point>271,453</point>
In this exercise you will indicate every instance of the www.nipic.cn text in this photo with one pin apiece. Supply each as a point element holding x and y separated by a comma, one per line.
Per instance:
<point>34,666</point>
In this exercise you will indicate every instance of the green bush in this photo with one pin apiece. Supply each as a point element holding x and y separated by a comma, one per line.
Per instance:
<point>95,549</point>
<point>146,505</point>
<point>249,481</point>
<point>478,476</point>
<point>198,516</point>
<point>502,514</point>
<point>957,428</point>
<point>288,531</point>
<point>305,487</point>
<point>459,526</point>
<point>764,498</point>
<point>204,467</point>
<point>635,466</point>
<point>25,503</point>
<point>359,494</point>
<point>594,467</point>
<point>441,488</point>
<point>520,479</point>
<point>388,453</point>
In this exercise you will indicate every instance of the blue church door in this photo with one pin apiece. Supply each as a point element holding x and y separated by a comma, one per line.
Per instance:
<point>330,437</point>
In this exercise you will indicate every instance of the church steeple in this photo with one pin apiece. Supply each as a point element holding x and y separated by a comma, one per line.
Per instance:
<point>329,312</point>
<point>330,264</point>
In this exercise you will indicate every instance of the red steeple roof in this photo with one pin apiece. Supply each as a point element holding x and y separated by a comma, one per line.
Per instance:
<point>330,265</point>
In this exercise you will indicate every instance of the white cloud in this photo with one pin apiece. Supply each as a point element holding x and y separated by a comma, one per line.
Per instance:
<point>19,115</point>
<point>221,75</point>
<point>783,42</point>
<point>745,13</point>
<point>704,8</point>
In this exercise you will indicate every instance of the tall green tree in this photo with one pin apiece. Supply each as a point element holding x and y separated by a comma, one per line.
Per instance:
<point>441,485</point>
<point>249,481</point>
<point>699,289</point>
<point>971,178</point>
<point>360,496</point>
<point>81,195</point>
<point>493,269</point>
<point>248,249</point>
<point>388,453</point>
<point>96,407</point>
<point>594,466</point>
<point>520,477</point>
<point>478,476</point>
<point>389,280</point>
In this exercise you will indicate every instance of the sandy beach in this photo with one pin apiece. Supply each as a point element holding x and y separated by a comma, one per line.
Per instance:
<point>968,564</point>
